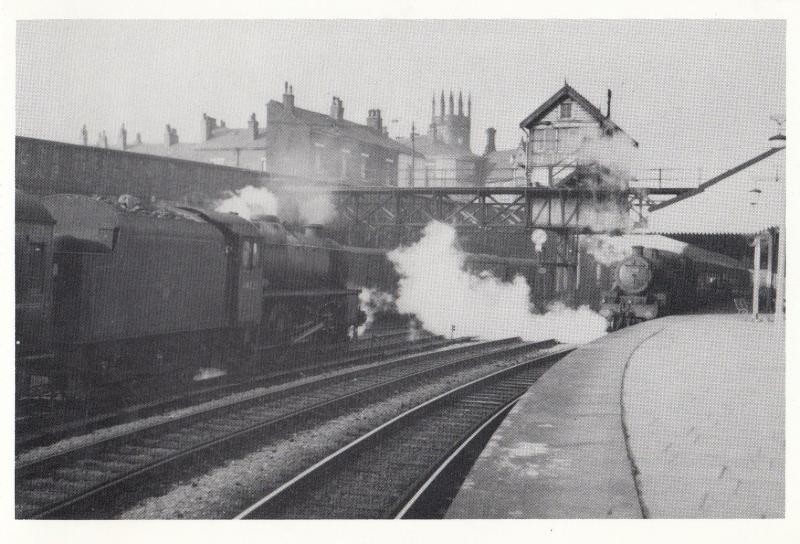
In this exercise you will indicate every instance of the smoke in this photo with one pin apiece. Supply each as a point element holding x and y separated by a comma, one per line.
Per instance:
<point>607,250</point>
<point>318,209</point>
<point>436,288</point>
<point>611,157</point>
<point>371,302</point>
<point>249,202</point>
<point>605,216</point>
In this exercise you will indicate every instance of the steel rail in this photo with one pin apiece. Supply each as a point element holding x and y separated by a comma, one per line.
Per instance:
<point>77,501</point>
<point>361,354</point>
<point>338,458</point>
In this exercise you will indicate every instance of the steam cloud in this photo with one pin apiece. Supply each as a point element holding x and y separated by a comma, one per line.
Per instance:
<point>435,287</point>
<point>372,301</point>
<point>607,250</point>
<point>249,202</point>
<point>318,209</point>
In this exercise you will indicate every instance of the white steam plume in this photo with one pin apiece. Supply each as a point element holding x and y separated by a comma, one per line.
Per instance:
<point>607,250</point>
<point>435,287</point>
<point>249,202</point>
<point>615,155</point>
<point>317,209</point>
<point>372,301</point>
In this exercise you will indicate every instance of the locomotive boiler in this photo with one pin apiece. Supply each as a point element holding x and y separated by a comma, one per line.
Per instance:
<point>162,295</point>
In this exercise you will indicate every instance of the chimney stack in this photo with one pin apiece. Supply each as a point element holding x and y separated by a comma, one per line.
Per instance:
<point>374,121</point>
<point>209,124</point>
<point>123,137</point>
<point>608,105</point>
<point>337,108</point>
<point>252,125</point>
<point>138,138</point>
<point>490,142</point>
<point>84,136</point>
<point>460,105</point>
<point>451,103</point>
<point>170,136</point>
<point>102,140</point>
<point>288,96</point>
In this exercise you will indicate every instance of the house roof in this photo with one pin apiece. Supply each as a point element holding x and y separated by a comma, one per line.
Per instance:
<point>568,92</point>
<point>348,129</point>
<point>431,148</point>
<point>747,199</point>
<point>236,138</point>
<point>500,165</point>
<point>186,151</point>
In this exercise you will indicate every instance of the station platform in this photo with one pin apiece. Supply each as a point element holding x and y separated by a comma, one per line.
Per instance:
<point>679,417</point>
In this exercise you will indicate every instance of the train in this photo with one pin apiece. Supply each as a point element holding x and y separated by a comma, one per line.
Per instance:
<point>111,293</point>
<point>664,276</point>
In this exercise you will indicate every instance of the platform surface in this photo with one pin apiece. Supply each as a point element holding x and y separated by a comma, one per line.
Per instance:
<point>680,417</point>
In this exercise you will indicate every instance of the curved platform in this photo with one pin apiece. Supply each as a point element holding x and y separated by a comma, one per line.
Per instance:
<point>676,417</point>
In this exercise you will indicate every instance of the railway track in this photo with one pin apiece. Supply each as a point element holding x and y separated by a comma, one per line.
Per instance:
<point>82,481</point>
<point>33,432</point>
<point>401,468</point>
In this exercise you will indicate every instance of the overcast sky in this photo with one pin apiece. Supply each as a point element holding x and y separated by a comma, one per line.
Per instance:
<point>695,94</point>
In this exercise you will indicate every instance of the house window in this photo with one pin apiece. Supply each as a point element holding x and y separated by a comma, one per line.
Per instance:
<point>545,139</point>
<point>566,110</point>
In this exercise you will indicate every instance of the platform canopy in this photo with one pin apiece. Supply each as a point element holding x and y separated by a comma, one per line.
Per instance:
<point>747,199</point>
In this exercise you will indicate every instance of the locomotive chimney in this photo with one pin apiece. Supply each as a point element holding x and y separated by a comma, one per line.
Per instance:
<point>313,230</point>
<point>638,250</point>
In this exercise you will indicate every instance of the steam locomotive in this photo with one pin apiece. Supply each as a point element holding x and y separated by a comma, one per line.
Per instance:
<point>111,293</point>
<point>108,292</point>
<point>664,276</point>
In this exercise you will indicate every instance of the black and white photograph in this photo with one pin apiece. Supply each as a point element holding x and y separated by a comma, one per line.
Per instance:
<point>426,268</point>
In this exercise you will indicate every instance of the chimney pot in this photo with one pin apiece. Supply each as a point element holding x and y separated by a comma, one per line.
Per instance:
<point>209,124</point>
<point>374,120</point>
<point>608,105</point>
<point>490,141</point>
<point>337,108</point>
<point>288,97</point>
<point>84,136</point>
<point>252,124</point>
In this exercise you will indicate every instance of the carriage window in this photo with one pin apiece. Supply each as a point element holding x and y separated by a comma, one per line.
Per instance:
<point>247,254</point>
<point>255,255</point>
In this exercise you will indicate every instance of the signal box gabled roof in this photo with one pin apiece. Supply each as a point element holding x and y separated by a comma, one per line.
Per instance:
<point>564,93</point>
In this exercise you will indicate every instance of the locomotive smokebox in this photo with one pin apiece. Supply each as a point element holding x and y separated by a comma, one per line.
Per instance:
<point>314,230</point>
